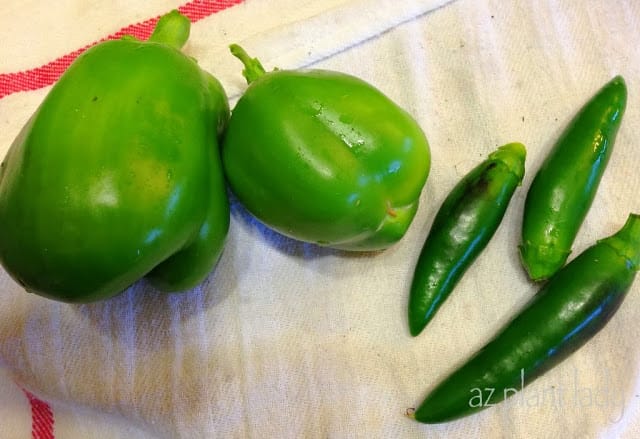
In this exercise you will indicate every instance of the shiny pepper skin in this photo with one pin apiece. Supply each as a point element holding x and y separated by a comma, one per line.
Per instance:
<point>565,185</point>
<point>573,306</point>
<point>463,226</point>
<point>324,157</point>
<point>117,175</point>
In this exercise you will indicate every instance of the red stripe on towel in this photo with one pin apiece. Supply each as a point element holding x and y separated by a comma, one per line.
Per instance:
<point>41,417</point>
<point>49,73</point>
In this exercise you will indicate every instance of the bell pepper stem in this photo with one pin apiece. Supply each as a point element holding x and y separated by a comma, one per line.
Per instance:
<point>172,29</point>
<point>252,67</point>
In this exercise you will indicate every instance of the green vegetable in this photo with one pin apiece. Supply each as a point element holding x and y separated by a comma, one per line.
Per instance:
<point>569,309</point>
<point>117,175</point>
<point>564,187</point>
<point>462,228</point>
<point>324,157</point>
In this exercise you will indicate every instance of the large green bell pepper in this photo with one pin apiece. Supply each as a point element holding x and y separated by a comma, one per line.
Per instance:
<point>324,157</point>
<point>117,175</point>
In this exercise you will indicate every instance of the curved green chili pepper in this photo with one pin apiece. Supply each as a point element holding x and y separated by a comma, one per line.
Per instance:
<point>563,189</point>
<point>569,309</point>
<point>463,226</point>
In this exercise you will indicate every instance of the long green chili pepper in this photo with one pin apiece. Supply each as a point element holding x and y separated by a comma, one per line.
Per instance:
<point>568,310</point>
<point>463,226</point>
<point>564,187</point>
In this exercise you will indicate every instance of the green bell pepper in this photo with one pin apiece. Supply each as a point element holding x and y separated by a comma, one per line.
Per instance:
<point>324,157</point>
<point>117,175</point>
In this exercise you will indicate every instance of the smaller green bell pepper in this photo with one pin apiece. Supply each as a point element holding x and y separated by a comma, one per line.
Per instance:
<point>324,157</point>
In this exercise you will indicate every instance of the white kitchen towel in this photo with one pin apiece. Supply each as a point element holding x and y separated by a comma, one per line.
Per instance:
<point>286,339</point>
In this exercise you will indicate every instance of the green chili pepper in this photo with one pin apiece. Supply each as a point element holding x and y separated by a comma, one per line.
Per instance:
<point>462,228</point>
<point>569,309</point>
<point>324,157</point>
<point>563,189</point>
<point>117,175</point>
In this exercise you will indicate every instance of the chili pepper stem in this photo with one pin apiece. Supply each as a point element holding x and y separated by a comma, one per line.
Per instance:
<point>513,156</point>
<point>252,67</point>
<point>626,241</point>
<point>172,29</point>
